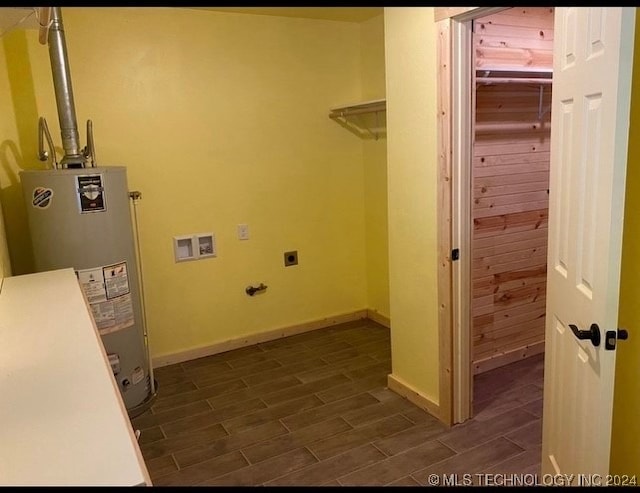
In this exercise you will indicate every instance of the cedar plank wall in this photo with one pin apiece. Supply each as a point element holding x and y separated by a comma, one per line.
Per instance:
<point>510,182</point>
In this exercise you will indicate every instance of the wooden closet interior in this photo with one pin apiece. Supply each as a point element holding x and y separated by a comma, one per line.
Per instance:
<point>513,61</point>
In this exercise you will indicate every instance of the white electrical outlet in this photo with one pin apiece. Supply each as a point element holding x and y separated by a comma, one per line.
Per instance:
<point>243,231</point>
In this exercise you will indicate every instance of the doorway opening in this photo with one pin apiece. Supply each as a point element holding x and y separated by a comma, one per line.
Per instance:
<point>512,73</point>
<point>592,93</point>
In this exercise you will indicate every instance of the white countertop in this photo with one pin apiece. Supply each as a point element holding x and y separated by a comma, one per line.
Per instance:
<point>62,421</point>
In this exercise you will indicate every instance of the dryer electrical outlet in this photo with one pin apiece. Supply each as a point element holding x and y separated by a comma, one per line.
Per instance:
<point>291,258</point>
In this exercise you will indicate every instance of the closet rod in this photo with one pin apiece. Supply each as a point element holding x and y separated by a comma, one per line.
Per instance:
<point>510,80</point>
<point>499,128</point>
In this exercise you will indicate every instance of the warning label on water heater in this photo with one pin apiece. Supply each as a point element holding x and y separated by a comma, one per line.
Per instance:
<point>109,296</point>
<point>90,193</point>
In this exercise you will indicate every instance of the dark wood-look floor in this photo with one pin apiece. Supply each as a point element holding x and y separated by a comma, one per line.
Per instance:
<point>313,409</point>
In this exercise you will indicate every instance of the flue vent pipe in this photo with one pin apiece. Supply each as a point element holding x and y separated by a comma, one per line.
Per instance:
<point>64,93</point>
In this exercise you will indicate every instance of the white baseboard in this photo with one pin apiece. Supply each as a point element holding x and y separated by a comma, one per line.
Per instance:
<point>379,318</point>
<point>509,357</point>
<point>401,387</point>
<point>221,347</point>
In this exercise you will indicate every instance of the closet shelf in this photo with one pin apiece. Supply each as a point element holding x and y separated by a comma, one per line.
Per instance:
<point>361,126</point>
<point>374,106</point>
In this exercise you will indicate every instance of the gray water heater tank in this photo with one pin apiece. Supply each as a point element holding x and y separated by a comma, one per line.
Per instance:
<point>80,218</point>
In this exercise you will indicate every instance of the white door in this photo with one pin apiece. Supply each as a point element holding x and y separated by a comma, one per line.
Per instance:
<point>590,119</point>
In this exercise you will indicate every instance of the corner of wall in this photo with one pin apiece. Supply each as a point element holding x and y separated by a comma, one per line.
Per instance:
<point>410,57</point>
<point>375,170</point>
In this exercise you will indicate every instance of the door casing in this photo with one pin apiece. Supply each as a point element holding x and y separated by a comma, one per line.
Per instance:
<point>455,116</point>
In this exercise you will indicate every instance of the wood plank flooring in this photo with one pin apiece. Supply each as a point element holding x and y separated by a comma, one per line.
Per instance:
<point>313,409</point>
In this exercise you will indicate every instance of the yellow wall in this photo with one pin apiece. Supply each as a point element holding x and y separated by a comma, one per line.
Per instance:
<point>221,119</point>
<point>5,261</point>
<point>411,115</point>
<point>625,440</point>
<point>7,129</point>
<point>375,170</point>
<point>18,142</point>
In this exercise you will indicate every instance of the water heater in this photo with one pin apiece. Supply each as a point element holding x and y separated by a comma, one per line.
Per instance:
<point>81,218</point>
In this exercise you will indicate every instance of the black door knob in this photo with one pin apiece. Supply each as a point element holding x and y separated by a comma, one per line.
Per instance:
<point>612,335</point>
<point>593,334</point>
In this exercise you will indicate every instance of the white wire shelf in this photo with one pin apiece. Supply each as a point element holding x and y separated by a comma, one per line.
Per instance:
<point>362,124</point>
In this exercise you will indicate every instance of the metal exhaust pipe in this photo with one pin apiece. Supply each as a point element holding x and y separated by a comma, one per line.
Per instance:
<point>73,157</point>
